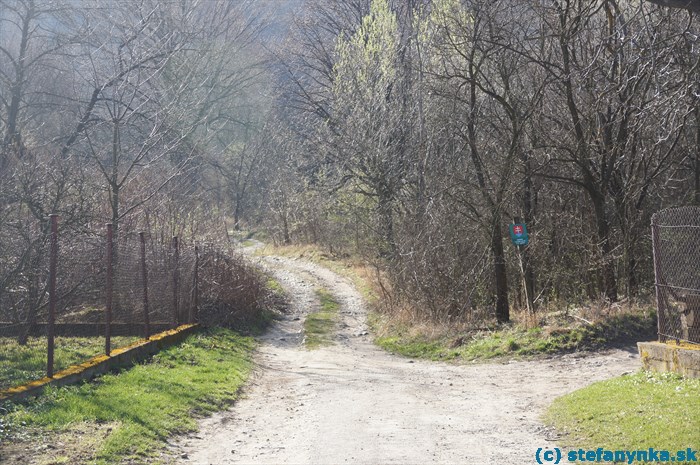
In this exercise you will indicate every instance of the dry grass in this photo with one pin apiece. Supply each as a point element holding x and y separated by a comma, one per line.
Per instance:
<point>244,302</point>
<point>402,327</point>
<point>363,275</point>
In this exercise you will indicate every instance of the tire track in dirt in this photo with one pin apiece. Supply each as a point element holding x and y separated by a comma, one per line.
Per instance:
<point>354,403</point>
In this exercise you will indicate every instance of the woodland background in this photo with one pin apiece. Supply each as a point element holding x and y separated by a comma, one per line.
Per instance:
<point>406,132</point>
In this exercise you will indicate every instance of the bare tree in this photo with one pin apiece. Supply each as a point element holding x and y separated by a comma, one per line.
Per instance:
<point>691,5</point>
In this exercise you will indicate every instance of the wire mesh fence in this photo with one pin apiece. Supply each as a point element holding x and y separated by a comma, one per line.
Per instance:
<point>99,284</point>
<point>676,244</point>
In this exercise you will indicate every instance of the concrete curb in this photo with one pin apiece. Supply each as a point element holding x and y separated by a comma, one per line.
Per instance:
<point>125,356</point>
<point>661,357</point>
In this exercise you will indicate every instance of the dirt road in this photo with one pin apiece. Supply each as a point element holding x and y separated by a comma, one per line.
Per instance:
<point>354,403</point>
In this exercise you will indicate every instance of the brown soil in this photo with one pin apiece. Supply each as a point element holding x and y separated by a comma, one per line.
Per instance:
<point>77,445</point>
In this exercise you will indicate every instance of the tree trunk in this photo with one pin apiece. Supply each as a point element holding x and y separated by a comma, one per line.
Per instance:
<point>285,230</point>
<point>237,215</point>
<point>12,136</point>
<point>697,178</point>
<point>114,180</point>
<point>632,281</point>
<point>387,247</point>
<point>500,272</point>
<point>34,299</point>
<point>603,230</point>
<point>528,215</point>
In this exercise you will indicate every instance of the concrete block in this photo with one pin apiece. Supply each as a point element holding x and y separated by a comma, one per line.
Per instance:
<point>683,359</point>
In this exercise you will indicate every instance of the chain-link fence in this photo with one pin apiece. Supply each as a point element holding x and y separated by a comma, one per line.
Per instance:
<point>676,240</point>
<point>105,288</point>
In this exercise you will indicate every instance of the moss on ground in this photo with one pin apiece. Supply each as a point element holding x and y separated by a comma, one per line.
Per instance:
<point>319,325</point>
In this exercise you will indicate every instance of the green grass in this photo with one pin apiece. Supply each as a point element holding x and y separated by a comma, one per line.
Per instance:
<point>318,326</point>
<point>633,412</point>
<point>515,341</point>
<point>275,287</point>
<point>21,364</point>
<point>146,403</point>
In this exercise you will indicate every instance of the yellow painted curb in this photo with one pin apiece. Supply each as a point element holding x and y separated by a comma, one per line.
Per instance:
<point>101,364</point>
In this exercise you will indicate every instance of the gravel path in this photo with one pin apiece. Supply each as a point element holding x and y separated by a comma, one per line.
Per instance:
<point>352,402</point>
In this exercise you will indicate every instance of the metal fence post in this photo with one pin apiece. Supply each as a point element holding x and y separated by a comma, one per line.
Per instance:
<point>144,281</point>
<point>655,246</point>
<point>176,279</point>
<point>195,287</point>
<point>53,258</point>
<point>110,288</point>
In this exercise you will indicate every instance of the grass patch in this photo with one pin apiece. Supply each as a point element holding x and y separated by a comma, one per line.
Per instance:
<point>143,405</point>
<point>275,288</point>
<point>21,364</point>
<point>515,341</point>
<point>318,326</point>
<point>632,412</point>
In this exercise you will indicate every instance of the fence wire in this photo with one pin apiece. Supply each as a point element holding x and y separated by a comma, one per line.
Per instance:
<point>676,241</point>
<point>24,275</point>
<point>154,286</point>
<point>80,280</point>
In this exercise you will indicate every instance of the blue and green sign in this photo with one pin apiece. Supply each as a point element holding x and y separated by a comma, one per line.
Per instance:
<point>518,234</point>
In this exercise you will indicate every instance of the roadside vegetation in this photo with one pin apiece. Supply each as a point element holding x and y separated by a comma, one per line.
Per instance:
<point>633,412</point>
<point>516,340</point>
<point>277,299</point>
<point>473,125</point>
<point>22,363</point>
<point>126,417</point>
<point>551,330</point>
<point>319,325</point>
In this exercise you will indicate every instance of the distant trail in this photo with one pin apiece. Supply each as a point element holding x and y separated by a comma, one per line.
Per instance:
<point>354,403</point>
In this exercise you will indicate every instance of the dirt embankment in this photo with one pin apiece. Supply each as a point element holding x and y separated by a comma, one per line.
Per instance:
<point>354,403</point>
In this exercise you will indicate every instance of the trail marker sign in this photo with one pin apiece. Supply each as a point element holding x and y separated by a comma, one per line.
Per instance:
<point>518,234</point>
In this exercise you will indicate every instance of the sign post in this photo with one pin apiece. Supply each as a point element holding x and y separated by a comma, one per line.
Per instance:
<point>520,238</point>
